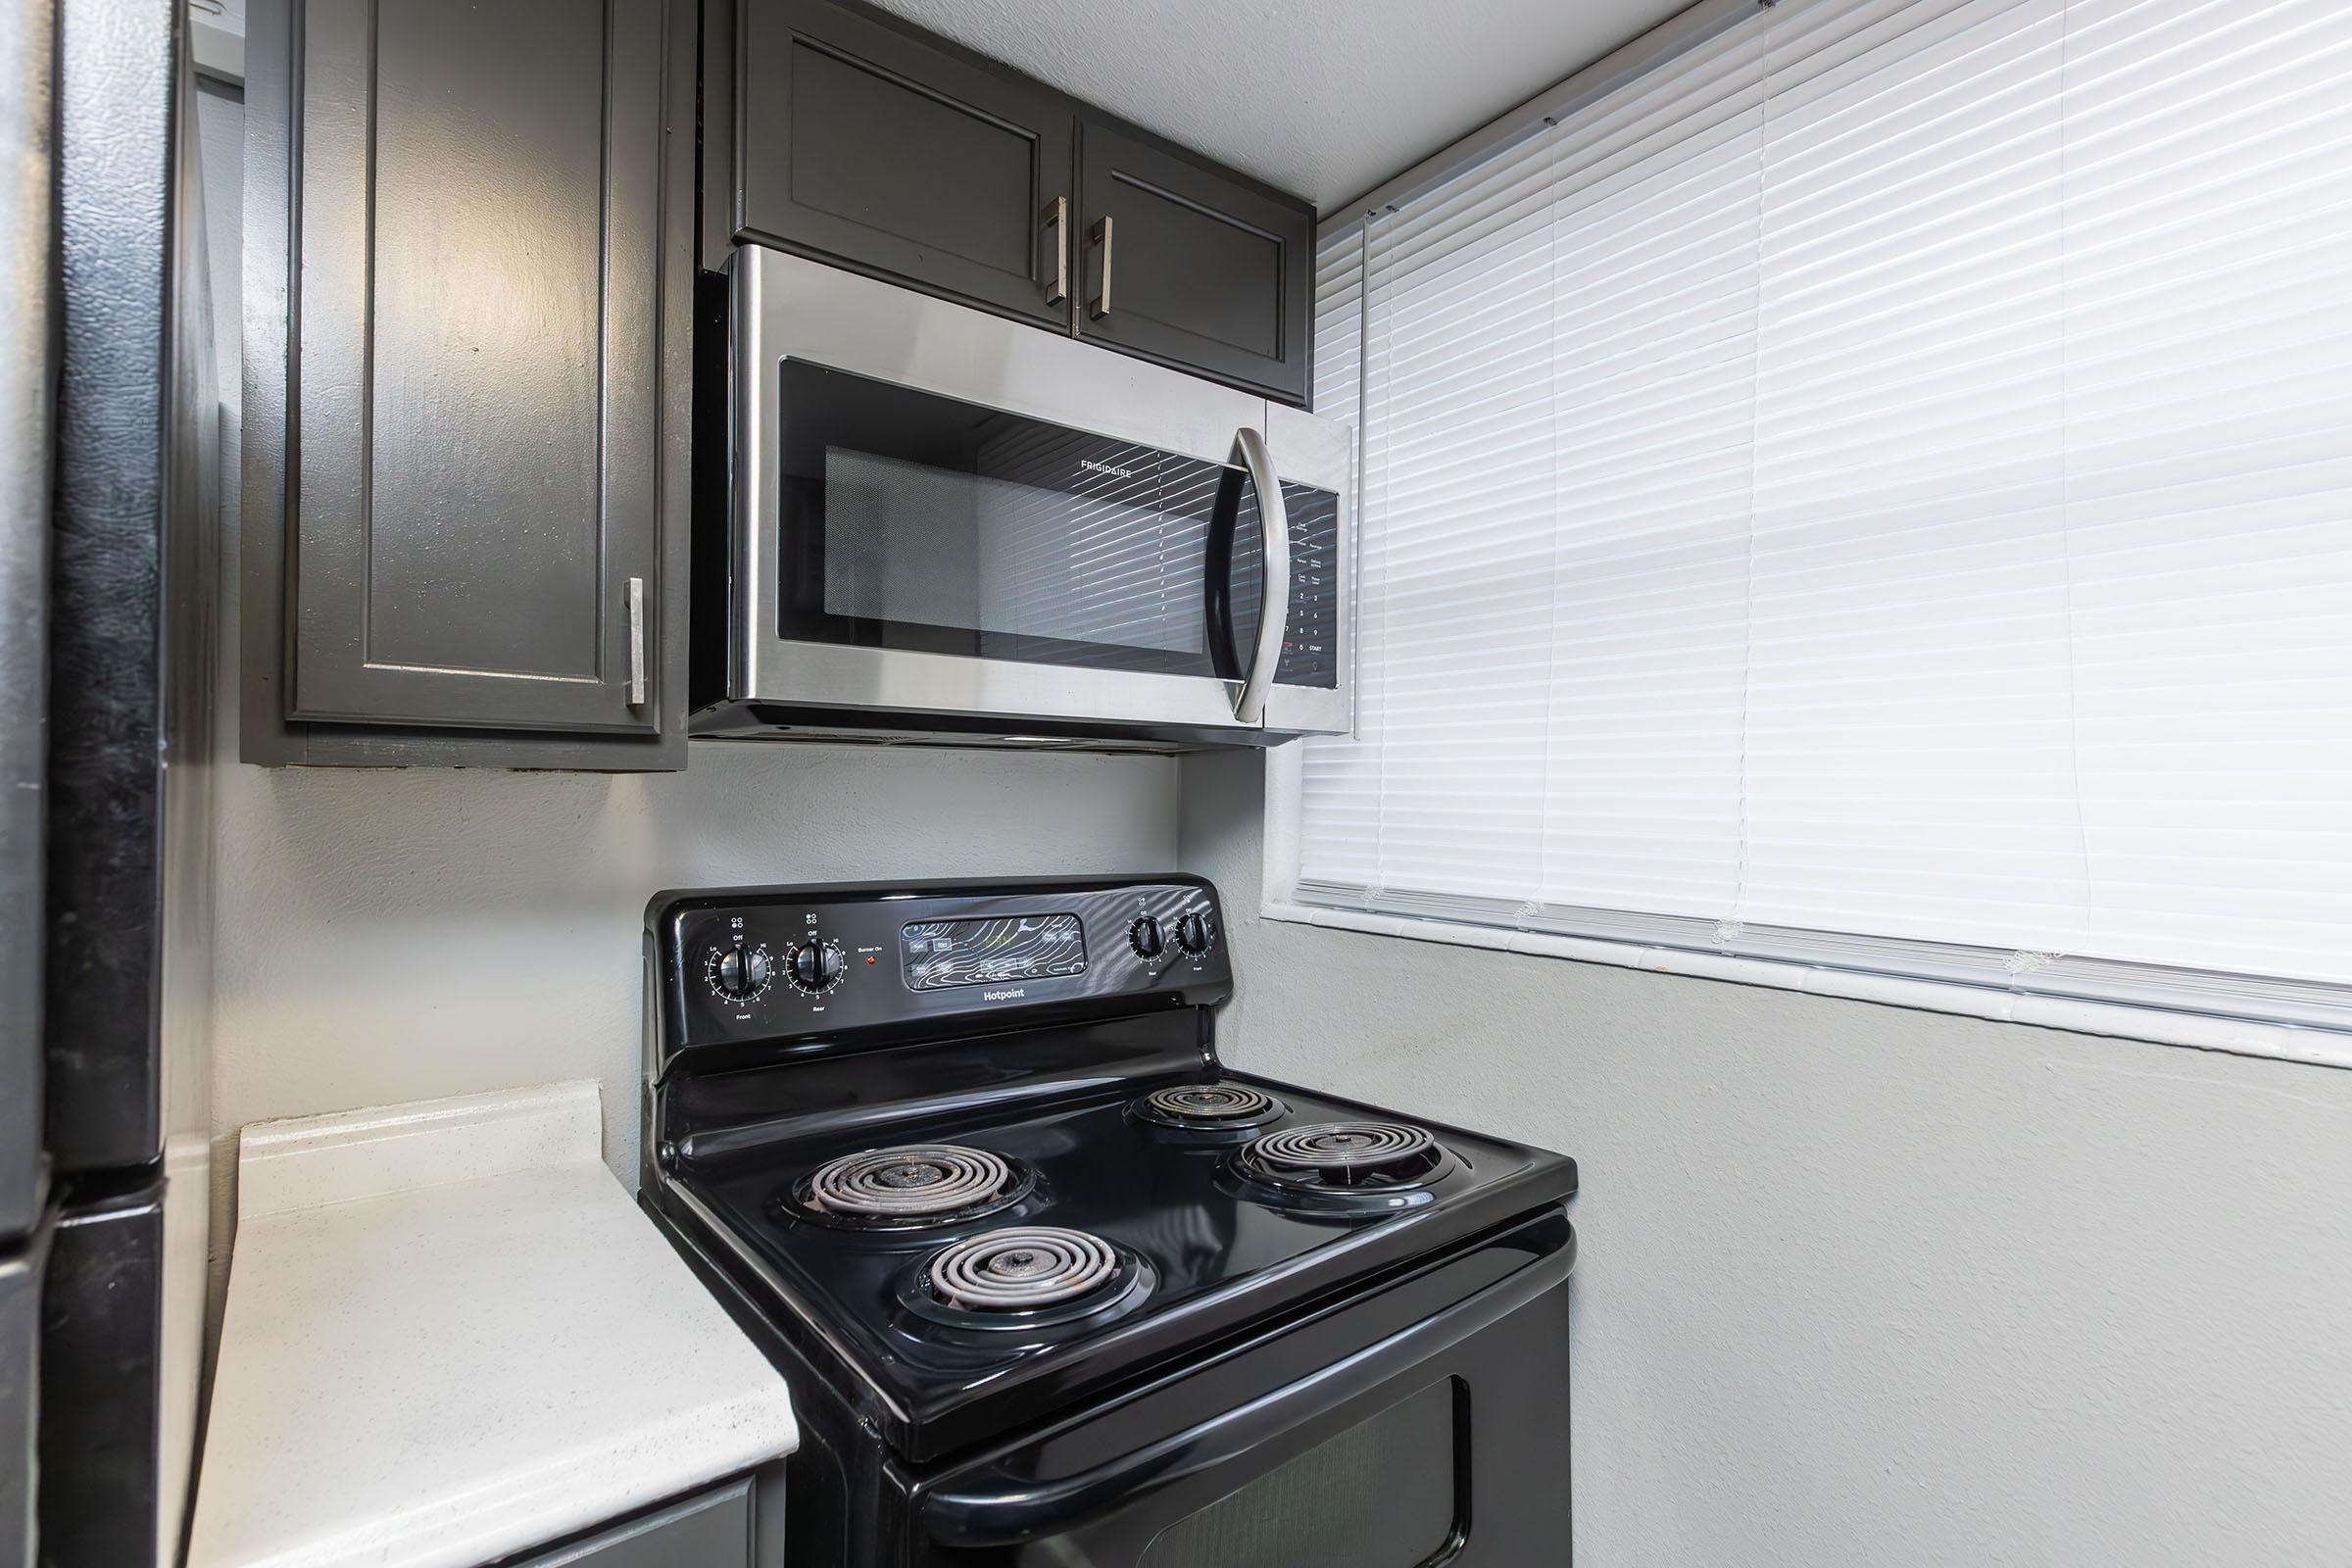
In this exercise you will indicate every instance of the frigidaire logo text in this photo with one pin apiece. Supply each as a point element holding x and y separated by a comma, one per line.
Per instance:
<point>1015,995</point>
<point>1100,467</point>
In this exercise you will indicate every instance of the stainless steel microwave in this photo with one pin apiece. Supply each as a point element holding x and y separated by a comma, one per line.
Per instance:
<point>941,526</point>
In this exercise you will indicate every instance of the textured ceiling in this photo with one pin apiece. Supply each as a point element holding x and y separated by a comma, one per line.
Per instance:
<point>1322,98</point>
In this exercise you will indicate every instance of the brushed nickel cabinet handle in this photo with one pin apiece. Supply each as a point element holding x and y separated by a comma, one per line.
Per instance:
<point>636,642</point>
<point>1100,305</point>
<point>1058,218</point>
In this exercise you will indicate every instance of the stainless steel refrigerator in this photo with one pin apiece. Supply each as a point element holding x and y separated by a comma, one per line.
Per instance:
<point>109,588</point>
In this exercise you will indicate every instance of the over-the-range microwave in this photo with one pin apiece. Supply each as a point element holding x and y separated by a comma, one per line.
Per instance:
<point>936,524</point>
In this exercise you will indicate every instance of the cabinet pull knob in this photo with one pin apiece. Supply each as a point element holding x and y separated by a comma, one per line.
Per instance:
<point>1100,305</point>
<point>1058,218</point>
<point>636,642</point>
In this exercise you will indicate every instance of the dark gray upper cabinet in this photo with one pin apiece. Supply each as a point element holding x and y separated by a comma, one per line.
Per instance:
<point>471,517</point>
<point>1192,267</point>
<point>866,143</point>
<point>872,148</point>
<point>478,431</point>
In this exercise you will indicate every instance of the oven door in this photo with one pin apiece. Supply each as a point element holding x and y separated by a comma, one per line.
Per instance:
<point>943,514</point>
<point>1443,1441</point>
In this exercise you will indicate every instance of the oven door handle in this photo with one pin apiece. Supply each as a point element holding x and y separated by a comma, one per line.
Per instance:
<point>1274,605</point>
<point>999,1507</point>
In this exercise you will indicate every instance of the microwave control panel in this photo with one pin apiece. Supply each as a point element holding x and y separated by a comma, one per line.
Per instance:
<point>1310,637</point>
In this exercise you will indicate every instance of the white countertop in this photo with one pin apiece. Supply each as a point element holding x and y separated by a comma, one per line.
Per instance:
<point>452,1336</point>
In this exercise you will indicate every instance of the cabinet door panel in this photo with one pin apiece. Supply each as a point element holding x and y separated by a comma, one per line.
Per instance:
<point>478,459</point>
<point>1206,273</point>
<point>865,146</point>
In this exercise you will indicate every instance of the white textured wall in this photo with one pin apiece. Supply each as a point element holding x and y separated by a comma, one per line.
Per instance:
<point>388,935</point>
<point>1862,1286</point>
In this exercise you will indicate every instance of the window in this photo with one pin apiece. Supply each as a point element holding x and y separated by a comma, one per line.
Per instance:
<point>1874,490</point>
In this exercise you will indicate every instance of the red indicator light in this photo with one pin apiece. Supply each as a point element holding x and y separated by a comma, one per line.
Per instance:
<point>869,957</point>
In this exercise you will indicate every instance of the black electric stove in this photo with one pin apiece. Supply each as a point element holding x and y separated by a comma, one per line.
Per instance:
<point>1052,1286</point>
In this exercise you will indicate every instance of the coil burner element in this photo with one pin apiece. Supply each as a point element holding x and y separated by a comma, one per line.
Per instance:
<point>1211,1107</point>
<point>916,1184</point>
<point>1345,1155</point>
<point>1022,1267</point>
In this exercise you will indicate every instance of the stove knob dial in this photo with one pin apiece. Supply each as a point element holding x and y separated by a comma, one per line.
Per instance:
<point>815,966</point>
<point>1193,934</point>
<point>741,972</point>
<point>1147,937</point>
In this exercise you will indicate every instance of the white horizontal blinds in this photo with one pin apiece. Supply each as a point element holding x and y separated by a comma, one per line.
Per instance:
<point>1910,741</point>
<point>1344,771</point>
<point>1455,575</point>
<point>1465,751</point>
<point>1929,523</point>
<point>1656,202</point>
<point>2209,429</point>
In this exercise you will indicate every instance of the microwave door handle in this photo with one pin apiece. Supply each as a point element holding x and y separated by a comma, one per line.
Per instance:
<point>999,1507</point>
<point>1274,613</point>
<point>1216,575</point>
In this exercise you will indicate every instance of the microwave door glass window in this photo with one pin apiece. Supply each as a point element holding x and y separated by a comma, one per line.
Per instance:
<point>913,521</point>
<point>1044,546</point>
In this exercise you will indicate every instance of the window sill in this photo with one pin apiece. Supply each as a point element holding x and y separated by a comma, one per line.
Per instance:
<point>2325,1048</point>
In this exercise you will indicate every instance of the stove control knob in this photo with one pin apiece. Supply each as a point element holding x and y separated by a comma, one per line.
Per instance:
<point>816,966</point>
<point>741,972</point>
<point>1193,934</point>
<point>1145,937</point>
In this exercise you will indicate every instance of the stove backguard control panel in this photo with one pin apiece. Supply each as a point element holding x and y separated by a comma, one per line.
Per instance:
<point>747,964</point>
<point>994,949</point>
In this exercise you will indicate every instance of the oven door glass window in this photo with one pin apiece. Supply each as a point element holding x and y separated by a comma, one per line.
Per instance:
<point>911,521</point>
<point>1378,1495</point>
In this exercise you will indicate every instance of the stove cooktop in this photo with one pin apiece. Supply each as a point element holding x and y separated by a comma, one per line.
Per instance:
<point>1172,1235</point>
<point>1038,1062</point>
